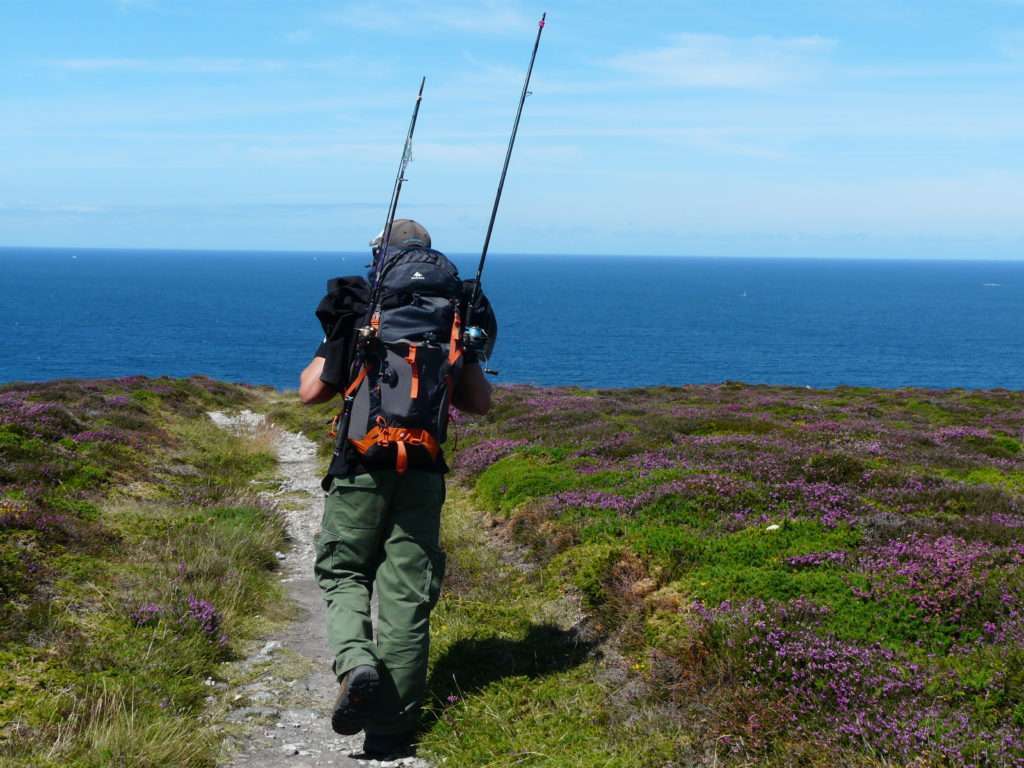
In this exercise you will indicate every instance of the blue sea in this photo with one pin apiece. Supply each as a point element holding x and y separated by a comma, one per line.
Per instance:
<point>564,320</point>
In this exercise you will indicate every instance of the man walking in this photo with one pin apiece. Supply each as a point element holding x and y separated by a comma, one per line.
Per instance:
<point>381,523</point>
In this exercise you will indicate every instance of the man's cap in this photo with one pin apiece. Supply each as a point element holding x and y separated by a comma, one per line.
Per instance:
<point>405,233</point>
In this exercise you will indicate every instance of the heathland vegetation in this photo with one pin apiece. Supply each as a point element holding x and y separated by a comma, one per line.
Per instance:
<point>708,575</point>
<point>733,575</point>
<point>134,558</point>
<point>782,576</point>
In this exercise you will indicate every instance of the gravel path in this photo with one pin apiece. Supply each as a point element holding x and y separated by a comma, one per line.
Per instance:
<point>283,712</point>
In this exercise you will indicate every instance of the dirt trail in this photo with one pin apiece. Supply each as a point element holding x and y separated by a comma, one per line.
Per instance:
<point>283,710</point>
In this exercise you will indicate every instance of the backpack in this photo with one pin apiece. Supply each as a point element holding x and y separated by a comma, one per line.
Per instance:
<point>403,385</point>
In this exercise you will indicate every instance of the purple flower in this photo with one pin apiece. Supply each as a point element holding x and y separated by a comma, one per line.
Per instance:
<point>479,457</point>
<point>943,576</point>
<point>204,614</point>
<point>813,559</point>
<point>118,436</point>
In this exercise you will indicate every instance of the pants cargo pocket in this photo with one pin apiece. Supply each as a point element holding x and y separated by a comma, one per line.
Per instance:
<point>325,544</point>
<point>435,574</point>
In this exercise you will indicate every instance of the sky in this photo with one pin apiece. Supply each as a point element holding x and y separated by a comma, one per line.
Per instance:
<point>828,128</point>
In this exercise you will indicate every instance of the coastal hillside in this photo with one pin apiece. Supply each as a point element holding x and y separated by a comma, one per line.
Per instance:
<point>135,558</point>
<point>725,575</point>
<point>773,576</point>
<point>732,575</point>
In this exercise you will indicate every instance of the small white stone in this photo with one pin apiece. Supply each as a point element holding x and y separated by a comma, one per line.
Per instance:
<point>280,555</point>
<point>773,527</point>
<point>269,648</point>
<point>290,749</point>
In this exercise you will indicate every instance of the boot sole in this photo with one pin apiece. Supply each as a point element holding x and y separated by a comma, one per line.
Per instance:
<point>352,716</point>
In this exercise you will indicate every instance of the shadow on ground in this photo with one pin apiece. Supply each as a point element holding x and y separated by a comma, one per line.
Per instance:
<point>473,664</point>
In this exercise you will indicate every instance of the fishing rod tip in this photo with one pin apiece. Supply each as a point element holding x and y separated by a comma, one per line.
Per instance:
<point>543,16</point>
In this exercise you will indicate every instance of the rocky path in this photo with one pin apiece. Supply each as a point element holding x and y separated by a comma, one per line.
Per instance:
<point>281,713</point>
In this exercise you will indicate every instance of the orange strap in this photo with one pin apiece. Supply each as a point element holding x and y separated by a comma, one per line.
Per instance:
<point>332,431</point>
<point>455,342</point>
<point>401,437</point>
<point>356,381</point>
<point>414,387</point>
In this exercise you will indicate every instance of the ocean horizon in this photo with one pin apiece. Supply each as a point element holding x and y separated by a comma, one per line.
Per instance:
<point>566,320</point>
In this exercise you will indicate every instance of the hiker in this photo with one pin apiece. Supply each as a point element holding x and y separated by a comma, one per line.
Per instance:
<point>385,489</point>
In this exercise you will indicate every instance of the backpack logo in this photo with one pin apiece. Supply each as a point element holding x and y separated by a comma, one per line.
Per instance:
<point>417,276</point>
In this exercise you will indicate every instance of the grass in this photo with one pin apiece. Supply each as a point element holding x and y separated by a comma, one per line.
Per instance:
<point>514,682</point>
<point>714,575</point>
<point>134,557</point>
<point>784,576</point>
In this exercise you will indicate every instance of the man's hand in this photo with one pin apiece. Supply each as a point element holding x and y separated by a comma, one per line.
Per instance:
<point>311,389</point>
<point>473,392</point>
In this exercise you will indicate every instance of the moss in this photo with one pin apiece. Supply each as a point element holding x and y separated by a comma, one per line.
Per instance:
<point>60,501</point>
<point>930,411</point>
<point>1012,481</point>
<point>587,567</point>
<point>516,479</point>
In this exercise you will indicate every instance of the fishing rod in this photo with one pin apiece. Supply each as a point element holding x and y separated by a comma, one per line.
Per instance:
<point>362,338</point>
<point>475,338</point>
<point>396,192</point>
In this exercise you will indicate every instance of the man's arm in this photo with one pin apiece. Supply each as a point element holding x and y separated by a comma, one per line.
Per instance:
<point>311,389</point>
<point>473,393</point>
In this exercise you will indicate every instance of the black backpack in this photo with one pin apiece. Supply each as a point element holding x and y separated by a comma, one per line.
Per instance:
<point>403,385</point>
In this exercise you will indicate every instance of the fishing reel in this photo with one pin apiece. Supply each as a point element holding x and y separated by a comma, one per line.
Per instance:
<point>476,340</point>
<point>369,333</point>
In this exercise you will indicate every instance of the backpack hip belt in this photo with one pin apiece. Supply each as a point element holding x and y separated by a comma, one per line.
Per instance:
<point>400,437</point>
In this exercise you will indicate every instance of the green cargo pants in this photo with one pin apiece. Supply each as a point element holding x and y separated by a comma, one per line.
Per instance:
<point>382,529</point>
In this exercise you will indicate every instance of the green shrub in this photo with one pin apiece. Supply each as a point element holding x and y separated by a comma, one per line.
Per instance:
<point>509,482</point>
<point>587,567</point>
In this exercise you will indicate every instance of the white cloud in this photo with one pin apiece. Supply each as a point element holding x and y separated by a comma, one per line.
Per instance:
<point>717,61</point>
<point>414,17</point>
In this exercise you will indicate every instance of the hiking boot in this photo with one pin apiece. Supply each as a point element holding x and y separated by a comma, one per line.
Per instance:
<point>388,746</point>
<point>356,699</point>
